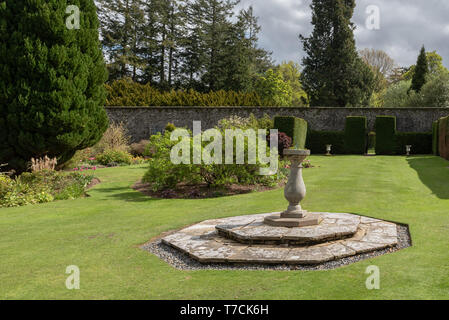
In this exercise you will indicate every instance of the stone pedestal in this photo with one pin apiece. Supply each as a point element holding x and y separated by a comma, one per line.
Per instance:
<point>294,192</point>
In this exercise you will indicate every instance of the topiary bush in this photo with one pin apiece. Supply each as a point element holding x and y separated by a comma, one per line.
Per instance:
<point>317,141</point>
<point>435,132</point>
<point>443,136</point>
<point>421,142</point>
<point>295,128</point>
<point>385,135</point>
<point>52,81</point>
<point>355,135</point>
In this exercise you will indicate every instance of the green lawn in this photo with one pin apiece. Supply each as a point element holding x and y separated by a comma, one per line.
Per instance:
<point>101,234</point>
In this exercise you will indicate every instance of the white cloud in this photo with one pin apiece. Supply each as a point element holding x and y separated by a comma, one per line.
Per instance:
<point>405,26</point>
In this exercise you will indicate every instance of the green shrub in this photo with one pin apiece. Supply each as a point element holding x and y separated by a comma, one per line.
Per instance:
<point>385,135</point>
<point>435,130</point>
<point>355,135</point>
<point>421,142</point>
<point>42,186</point>
<point>295,128</point>
<point>110,156</point>
<point>317,141</point>
<point>163,174</point>
<point>52,81</point>
<point>443,136</point>
<point>125,92</point>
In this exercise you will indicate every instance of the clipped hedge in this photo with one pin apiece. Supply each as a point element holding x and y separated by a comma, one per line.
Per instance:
<point>317,141</point>
<point>421,142</point>
<point>355,135</point>
<point>443,136</point>
<point>125,92</point>
<point>295,128</point>
<point>385,135</point>
<point>435,150</point>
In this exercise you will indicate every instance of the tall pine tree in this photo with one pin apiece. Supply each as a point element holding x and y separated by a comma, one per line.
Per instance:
<point>334,75</point>
<point>421,71</point>
<point>52,81</point>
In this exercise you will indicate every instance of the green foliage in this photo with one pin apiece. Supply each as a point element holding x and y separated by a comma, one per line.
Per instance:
<point>170,127</point>
<point>421,142</point>
<point>397,96</point>
<point>334,75</point>
<point>291,74</point>
<point>295,128</point>
<point>435,66</point>
<point>52,81</point>
<point>163,174</point>
<point>42,186</point>
<point>128,93</point>
<point>194,44</point>
<point>433,94</point>
<point>112,156</point>
<point>355,135</point>
<point>317,141</point>
<point>443,136</point>
<point>273,90</point>
<point>421,71</point>
<point>435,138</point>
<point>385,135</point>
<point>252,122</point>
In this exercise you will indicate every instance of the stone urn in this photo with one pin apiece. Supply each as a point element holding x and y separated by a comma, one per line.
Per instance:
<point>294,192</point>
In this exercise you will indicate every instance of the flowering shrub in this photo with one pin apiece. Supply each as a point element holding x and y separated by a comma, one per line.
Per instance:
<point>42,186</point>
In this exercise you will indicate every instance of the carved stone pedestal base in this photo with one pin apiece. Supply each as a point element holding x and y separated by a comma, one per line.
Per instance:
<point>279,220</point>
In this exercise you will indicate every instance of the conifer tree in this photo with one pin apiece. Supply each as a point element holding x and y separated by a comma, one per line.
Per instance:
<point>421,70</point>
<point>52,81</point>
<point>334,75</point>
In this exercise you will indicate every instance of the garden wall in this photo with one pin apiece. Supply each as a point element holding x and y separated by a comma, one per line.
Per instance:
<point>143,121</point>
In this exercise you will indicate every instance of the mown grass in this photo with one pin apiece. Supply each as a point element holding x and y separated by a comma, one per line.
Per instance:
<point>101,234</point>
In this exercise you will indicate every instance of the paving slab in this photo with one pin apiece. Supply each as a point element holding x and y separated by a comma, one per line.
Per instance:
<point>234,240</point>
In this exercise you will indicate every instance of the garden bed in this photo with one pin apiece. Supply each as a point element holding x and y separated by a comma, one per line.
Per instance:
<point>201,191</point>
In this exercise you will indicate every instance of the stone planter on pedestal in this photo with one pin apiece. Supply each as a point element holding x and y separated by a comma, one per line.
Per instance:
<point>294,192</point>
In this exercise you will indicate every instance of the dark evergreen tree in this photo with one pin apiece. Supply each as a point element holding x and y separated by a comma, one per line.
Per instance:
<point>244,61</point>
<point>421,70</point>
<point>334,75</point>
<point>52,81</point>
<point>122,30</point>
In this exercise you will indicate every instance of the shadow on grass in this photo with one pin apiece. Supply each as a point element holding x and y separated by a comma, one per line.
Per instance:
<point>433,172</point>
<point>125,194</point>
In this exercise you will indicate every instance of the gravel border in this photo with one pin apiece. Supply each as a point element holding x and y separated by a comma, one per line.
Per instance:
<point>182,261</point>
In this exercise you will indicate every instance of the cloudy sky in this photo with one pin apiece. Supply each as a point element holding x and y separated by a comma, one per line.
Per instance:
<point>405,25</point>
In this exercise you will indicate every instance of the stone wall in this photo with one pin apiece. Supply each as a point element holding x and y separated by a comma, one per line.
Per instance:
<point>143,121</point>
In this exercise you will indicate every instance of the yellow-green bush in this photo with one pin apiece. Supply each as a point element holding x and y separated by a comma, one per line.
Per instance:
<point>128,93</point>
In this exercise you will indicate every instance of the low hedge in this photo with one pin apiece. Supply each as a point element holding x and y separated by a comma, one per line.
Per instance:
<point>385,135</point>
<point>317,141</point>
<point>125,92</point>
<point>435,150</point>
<point>421,142</point>
<point>355,135</point>
<point>295,128</point>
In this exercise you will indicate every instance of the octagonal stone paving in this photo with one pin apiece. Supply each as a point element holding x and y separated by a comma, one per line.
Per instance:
<point>257,232</point>
<point>204,243</point>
